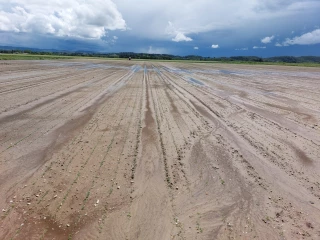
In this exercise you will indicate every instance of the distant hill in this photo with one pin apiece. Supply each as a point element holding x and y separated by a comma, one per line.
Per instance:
<point>279,59</point>
<point>290,59</point>
<point>11,48</point>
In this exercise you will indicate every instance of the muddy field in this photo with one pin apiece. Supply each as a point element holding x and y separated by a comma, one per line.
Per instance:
<point>93,149</point>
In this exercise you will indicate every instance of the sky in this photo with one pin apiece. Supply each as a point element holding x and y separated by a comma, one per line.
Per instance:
<point>212,28</point>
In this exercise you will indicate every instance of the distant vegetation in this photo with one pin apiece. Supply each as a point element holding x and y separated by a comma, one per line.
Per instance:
<point>32,57</point>
<point>36,54</point>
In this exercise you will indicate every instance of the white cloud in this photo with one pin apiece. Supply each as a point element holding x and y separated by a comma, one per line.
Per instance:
<point>278,45</point>
<point>305,39</point>
<point>256,47</point>
<point>267,39</point>
<point>241,49</point>
<point>215,46</point>
<point>113,40</point>
<point>195,48</point>
<point>196,17</point>
<point>74,18</point>
<point>180,37</point>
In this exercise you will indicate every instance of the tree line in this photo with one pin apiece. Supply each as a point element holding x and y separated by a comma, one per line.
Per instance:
<point>285,59</point>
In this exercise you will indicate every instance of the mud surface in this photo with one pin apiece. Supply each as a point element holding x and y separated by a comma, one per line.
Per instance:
<point>104,149</point>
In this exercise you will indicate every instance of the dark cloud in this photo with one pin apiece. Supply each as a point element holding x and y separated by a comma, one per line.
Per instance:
<point>160,25</point>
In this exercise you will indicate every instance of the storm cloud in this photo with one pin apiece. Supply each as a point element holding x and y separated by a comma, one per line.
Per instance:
<point>172,26</point>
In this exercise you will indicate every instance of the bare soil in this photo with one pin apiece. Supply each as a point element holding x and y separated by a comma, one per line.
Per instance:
<point>100,149</point>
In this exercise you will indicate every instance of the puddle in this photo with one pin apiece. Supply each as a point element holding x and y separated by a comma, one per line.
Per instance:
<point>255,73</point>
<point>136,68</point>
<point>192,80</point>
<point>227,72</point>
<point>85,65</point>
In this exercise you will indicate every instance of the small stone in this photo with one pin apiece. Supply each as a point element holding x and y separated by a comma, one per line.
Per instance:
<point>3,210</point>
<point>118,187</point>
<point>55,196</point>
<point>177,188</point>
<point>311,202</point>
<point>28,203</point>
<point>68,225</point>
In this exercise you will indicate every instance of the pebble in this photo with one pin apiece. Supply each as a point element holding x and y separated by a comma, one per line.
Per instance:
<point>118,187</point>
<point>68,225</point>
<point>96,203</point>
